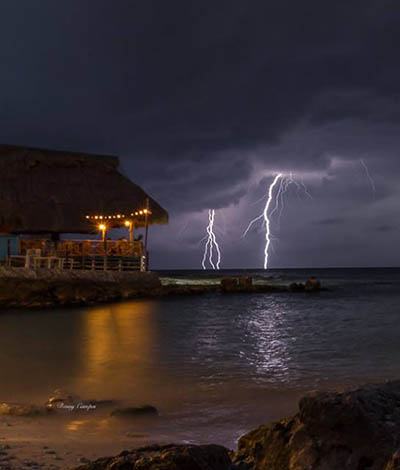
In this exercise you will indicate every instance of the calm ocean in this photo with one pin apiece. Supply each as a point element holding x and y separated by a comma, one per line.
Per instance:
<point>215,365</point>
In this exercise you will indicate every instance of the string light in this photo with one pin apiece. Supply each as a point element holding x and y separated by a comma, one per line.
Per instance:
<point>119,216</point>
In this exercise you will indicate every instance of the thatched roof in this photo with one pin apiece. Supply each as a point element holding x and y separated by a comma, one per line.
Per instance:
<point>45,191</point>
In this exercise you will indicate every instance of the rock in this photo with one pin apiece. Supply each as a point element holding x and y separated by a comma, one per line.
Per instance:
<point>170,457</point>
<point>312,285</point>
<point>48,288</point>
<point>352,430</point>
<point>133,412</point>
<point>229,284</point>
<point>394,463</point>
<point>296,287</point>
<point>65,401</point>
<point>245,283</point>
<point>270,288</point>
<point>61,400</point>
<point>15,409</point>
<point>31,463</point>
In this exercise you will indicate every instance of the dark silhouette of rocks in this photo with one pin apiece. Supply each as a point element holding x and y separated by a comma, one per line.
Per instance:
<point>133,412</point>
<point>29,289</point>
<point>170,457</point>
<point>62,400</point>
<point>351,430</point>
<point>18,409</point>
<point>246,285</point>
<point>229,284</point>
<point>312,285</point>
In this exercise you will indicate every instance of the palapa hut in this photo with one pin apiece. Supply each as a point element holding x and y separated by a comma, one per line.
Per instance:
<point>47,192</point>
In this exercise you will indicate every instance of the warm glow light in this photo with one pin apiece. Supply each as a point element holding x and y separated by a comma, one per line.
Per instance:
<point>120,216</point>
<point>102,227</point>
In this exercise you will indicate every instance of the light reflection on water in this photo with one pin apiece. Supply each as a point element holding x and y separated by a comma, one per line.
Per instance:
<point>266,328</point>
<point>118,344</point>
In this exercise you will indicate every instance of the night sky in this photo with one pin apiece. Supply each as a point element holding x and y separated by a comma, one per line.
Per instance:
<point>205,101</point>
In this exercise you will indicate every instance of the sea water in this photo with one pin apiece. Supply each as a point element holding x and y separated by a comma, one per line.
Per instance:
<point>214,365</point>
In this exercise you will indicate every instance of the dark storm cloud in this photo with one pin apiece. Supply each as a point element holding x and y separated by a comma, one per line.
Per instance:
<point>203,100</point>
<point>386,228</point>
<point>331,221</point>
<point>180,78</point>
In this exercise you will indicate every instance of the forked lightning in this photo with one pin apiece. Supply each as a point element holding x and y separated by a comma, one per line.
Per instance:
<point>276,192</point>
<point>211,243</point>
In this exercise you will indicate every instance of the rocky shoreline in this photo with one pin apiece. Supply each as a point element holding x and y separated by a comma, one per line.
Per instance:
<point>356,429</point>
<point>351,430</point>
<point>29,289</point>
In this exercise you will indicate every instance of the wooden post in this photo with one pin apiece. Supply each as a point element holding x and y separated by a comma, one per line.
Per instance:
<point>55,238</point>
<point>105,248</point>
<point>146,224</point>
<point>146,235</point>
<point>131,231</point>
<point>8,250</point>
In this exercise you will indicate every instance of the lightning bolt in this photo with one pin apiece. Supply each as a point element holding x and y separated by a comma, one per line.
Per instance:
<point>211,243</point>
<point>266,219</point>
<point>370,179</point>
<point>282,183</point>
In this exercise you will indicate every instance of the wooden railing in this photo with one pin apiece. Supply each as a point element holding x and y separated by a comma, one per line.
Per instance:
<point>83,248</point>
<point>82,263</point>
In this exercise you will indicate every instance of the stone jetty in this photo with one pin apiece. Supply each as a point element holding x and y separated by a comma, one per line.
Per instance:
<point>20,288</point>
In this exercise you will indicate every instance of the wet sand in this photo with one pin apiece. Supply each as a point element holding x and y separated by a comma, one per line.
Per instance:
<point>45,443</point>
<point>64,440</point>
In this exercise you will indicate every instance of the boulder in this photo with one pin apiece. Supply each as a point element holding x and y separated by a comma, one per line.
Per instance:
<point>296,287</point>
<point>394,463</point>
<point>62,400</point>
<point>352,430</point>
<point>312,285</point>
<point>170,457</point>
<point>16,409</point>
<point>229,284</point>
<point>245,283</point>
